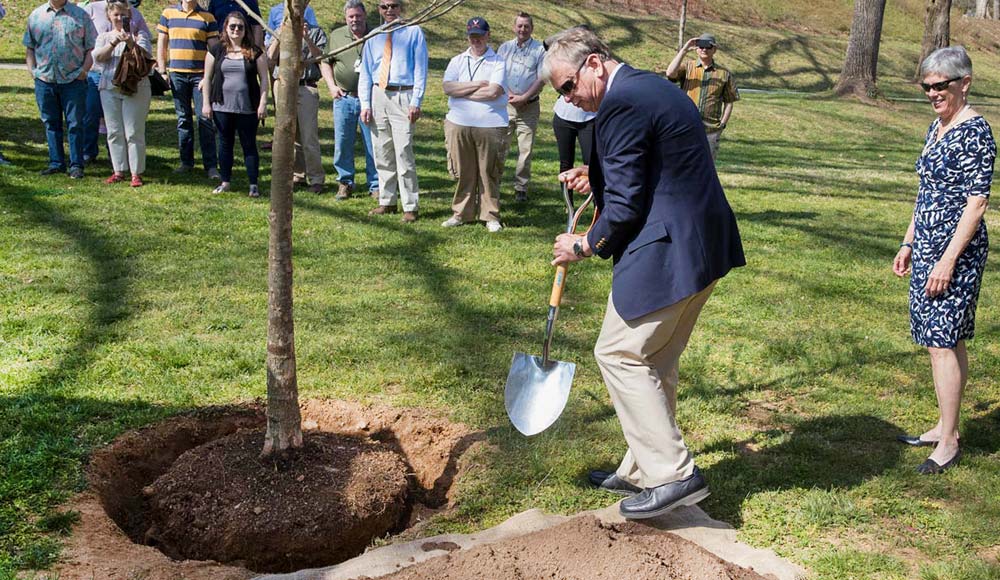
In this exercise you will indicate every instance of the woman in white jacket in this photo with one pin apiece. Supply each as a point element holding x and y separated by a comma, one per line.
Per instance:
<point>124,114</point>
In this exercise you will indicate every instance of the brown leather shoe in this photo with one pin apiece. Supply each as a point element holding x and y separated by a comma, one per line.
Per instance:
<point>344,191</point>
<point>409,217</point>
<point>316,188</point>
<point>383,209</point>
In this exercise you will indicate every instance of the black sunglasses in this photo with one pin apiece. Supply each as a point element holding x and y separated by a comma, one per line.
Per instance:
<point>388,6</point>
<point>235,27</point>
<point>568,86</point>
<point>938,86</point>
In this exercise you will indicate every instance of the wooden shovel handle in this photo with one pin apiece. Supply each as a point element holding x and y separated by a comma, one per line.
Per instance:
<point>558,285</point>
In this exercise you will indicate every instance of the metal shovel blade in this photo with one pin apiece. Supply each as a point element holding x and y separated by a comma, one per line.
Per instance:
<point>536,396</point>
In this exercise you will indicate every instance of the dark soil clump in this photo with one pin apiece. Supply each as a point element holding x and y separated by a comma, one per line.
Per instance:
<point>321,503</point>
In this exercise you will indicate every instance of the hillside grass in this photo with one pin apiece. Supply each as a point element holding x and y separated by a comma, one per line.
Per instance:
<point>120,307</point>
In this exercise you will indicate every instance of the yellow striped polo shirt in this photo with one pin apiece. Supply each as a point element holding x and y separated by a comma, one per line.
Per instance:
<point>188,34</point>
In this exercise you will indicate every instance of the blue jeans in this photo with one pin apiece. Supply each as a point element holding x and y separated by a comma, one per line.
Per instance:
<point>346,116</point>
<point>92,117</point>
<point>54,102</point>
<point>184,87</point>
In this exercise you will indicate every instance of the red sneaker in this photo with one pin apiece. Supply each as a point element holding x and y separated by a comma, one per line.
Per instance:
<point>115,178</point>
<point>136,181</point>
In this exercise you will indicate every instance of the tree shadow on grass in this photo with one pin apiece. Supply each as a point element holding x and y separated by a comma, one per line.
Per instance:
<point>832,452</point>
<point>466,325</point>
<point>109,292</point>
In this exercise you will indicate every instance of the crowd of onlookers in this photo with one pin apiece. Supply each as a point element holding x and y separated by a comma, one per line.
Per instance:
<point>95,71</point>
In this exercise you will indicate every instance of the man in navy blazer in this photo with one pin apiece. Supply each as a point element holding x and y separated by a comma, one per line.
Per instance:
<point>666,224</point>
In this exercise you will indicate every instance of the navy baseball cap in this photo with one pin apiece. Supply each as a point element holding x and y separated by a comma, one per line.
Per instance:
<point>477,25</point>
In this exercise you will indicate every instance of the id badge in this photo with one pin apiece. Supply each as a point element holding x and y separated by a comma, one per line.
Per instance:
<point>357,65</point>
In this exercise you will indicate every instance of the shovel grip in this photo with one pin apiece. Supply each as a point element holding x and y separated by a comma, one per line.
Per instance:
<point>558,285</point>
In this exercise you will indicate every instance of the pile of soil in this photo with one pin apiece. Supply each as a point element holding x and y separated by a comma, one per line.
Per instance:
<point>583,548</point>
<point>321,503</point>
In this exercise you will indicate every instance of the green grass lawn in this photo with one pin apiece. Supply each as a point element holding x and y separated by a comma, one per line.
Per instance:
<point>120,307</point>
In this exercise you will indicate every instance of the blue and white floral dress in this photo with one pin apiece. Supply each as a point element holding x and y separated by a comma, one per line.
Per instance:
<point>952,168</point>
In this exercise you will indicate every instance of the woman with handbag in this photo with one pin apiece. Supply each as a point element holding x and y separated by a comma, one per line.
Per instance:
<point>236,81</point>
<point>124,60</point>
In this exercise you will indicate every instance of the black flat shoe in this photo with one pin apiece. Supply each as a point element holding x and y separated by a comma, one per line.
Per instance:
<point>915,441</point>
<point>655,501</point>
<point>930,467</point>
<point>609,481</point>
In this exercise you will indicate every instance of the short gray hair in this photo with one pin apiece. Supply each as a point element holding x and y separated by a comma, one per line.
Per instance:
<point>949,62</point>
<point>572,46</point>
<point>355,4</point>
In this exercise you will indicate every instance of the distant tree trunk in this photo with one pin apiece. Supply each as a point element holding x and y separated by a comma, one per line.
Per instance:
<point>284,419</point>
<point>681,23</point>
<point>996,9</point>
<point>860,70</point>
<point>981,8</point>
<point>937,30</point>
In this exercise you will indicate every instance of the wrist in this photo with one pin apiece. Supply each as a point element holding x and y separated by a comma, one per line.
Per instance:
<point>906,245</point>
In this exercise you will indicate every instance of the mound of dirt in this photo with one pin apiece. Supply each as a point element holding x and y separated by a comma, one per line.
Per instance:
<point>583,547</point>
<point>325,501</point>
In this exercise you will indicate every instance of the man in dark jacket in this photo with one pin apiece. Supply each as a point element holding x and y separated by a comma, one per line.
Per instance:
<point>667,225</point>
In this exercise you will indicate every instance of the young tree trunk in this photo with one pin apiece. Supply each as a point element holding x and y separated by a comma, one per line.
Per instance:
<point>981,8</point>
<point>937,30</point>
<point>859,74</point>
<point>284,420</point>
<point>681,23</point>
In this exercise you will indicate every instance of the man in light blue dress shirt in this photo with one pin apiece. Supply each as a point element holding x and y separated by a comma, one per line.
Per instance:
<point>524,57</point>
<point>390,104</point>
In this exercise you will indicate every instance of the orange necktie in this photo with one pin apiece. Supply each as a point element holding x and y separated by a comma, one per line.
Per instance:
<point>383,69</point>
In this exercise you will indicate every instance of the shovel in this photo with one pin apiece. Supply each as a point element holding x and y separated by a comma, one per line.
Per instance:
<point>537,388</point>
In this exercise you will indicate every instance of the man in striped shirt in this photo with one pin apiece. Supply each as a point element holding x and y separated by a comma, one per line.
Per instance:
<point>185,33</point>
<point>709,85</point>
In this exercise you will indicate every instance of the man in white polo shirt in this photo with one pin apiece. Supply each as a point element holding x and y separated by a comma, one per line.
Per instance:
<point>475,128</point>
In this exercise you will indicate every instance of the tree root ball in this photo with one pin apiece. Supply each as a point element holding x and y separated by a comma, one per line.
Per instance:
<point>307,507</point>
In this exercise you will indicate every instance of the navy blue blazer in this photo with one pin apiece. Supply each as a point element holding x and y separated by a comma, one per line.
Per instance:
<point>664,217</point>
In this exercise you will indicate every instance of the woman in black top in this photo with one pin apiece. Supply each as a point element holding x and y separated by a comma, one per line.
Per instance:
<point>236,76</point>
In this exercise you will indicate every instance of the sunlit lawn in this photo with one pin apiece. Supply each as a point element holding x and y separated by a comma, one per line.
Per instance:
<point>120,307</point>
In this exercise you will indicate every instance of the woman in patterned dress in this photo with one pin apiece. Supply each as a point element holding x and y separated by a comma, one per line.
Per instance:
<point>946,242</point>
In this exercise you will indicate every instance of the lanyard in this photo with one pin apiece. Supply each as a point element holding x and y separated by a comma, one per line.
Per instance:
<point>473,71</point>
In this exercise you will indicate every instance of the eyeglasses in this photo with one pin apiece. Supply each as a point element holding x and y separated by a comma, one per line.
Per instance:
<point>388,6</point>
<point>235,27</point>
<point>938,86</point>
<point>568,86</point>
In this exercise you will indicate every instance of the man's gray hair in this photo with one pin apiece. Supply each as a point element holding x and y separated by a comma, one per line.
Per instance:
<point>355,4</point>
<point>572,46</point>
<point>949,62</point>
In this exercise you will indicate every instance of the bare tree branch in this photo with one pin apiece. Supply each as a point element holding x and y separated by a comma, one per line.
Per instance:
<point>437,9</point>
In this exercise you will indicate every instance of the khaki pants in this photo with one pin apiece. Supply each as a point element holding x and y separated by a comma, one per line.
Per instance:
<point>125,117</point>
<point>638,360</point>
<point>713,143</point>
<point>308,157</point>
<point>523,123</point>
<point>392,144</point>
<point>475,158</point>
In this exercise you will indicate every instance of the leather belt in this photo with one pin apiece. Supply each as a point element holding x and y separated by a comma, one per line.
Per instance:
<point>532,99</point>
<point>350,93</point>
<point>392,88</point>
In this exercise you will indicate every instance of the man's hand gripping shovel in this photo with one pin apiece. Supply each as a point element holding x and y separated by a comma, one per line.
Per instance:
<point>537,388</point>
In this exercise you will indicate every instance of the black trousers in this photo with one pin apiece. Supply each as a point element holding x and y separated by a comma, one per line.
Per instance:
<point>229,125</point>
<point>567,133</point>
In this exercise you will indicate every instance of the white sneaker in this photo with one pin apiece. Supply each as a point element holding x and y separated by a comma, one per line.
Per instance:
<point>451,222</point>
<point>493,226</point>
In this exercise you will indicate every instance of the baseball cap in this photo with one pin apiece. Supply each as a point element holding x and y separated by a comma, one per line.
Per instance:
<point>706,40</point>
<point>477,25</point>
